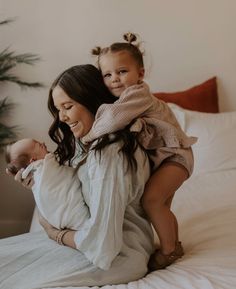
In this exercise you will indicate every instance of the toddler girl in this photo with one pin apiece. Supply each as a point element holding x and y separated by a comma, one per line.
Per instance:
<point>169,149</point>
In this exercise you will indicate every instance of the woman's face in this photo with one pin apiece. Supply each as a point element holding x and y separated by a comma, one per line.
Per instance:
<point>75,115</point>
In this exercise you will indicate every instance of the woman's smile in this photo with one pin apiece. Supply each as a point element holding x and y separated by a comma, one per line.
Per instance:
<point>76,128</point>
<point>74,114</point>
<point>72,125</point>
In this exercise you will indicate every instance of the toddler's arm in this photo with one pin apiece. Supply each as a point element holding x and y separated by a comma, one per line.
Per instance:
<point>133,103</point>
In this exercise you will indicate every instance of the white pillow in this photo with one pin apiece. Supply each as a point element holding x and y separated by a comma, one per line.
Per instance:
<point>215,149</point>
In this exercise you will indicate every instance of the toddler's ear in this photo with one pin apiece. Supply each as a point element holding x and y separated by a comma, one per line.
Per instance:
<point>141,74</point>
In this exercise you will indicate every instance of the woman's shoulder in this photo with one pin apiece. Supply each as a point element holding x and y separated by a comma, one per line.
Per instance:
<point>113,158</point>
<point>109,151</point>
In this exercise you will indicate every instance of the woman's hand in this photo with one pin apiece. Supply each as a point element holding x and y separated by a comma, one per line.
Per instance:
<point>27,182</point>
<point>67,237</point>
<point>51,231</point>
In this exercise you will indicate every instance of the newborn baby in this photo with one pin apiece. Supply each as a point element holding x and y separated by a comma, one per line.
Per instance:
<point>64,206</point>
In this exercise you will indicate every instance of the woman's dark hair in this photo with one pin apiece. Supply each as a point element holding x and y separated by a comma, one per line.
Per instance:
<point>84,84</point>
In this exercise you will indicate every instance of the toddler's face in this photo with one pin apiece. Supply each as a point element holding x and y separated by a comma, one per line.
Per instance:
<point>36,149</point>
<point>120,71</point>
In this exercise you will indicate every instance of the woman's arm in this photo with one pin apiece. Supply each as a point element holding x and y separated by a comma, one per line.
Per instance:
<point>133,102</point>
<point>66,238</point>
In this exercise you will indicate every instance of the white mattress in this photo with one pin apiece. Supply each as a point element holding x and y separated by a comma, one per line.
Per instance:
<point>206,210</point>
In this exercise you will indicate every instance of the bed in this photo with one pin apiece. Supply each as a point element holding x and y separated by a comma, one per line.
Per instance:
<point>205,207</point>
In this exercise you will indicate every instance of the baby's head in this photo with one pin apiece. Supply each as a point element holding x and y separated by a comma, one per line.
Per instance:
<point>21,153</point>
<point>121,64</point>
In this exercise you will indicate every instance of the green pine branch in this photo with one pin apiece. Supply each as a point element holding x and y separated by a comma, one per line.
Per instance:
<point>23,84</point>
<point>9,58</point>
<point>7,21</point>
<point>7,133</point>
<point>5,107</point>
<point>8,61</point>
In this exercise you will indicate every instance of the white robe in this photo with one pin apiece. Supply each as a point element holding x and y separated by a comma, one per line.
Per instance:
<point>57,193</point>
<point>114,245</point>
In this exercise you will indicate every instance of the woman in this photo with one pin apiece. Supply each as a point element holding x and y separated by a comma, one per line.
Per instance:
<point>114,245</point>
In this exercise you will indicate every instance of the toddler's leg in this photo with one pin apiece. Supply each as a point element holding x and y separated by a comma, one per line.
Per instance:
<point>157,198</point>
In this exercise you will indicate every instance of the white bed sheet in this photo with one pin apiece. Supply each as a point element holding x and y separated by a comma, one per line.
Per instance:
<point>206,210</point>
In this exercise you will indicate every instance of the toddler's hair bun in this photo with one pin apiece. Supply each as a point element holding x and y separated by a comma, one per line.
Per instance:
<point>130,37</point>
<point>96,51</point>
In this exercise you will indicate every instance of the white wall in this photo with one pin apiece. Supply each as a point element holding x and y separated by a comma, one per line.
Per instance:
<point>185,41</point>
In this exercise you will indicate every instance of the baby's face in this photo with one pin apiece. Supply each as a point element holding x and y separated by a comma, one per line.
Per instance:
<point>32,147</point>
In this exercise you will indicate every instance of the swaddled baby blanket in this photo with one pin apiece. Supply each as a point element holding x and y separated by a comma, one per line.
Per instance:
<point>64,206</point>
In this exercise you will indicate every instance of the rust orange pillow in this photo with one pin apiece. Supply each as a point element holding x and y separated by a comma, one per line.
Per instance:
<point>202,97</point>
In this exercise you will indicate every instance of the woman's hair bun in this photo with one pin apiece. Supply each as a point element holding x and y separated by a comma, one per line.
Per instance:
<point>130,37</point>
<point>96,51</point>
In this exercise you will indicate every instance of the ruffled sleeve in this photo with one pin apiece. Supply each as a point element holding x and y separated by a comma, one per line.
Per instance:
<point>156,133</point>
